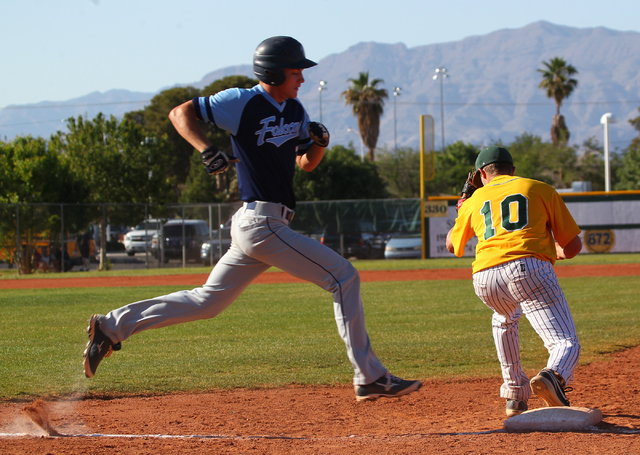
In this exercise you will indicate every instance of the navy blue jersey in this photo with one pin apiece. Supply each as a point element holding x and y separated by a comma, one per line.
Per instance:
<point>266,136</point>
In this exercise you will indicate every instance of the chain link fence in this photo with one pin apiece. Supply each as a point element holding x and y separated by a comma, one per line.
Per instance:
<point>70,237</point>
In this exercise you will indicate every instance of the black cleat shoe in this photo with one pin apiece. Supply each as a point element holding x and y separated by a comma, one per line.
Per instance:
<point>550,386</point>
<point>516,407</point>
<point>386,386</point>
<point>98,347</point>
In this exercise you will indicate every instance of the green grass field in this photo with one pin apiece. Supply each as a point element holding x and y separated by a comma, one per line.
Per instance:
<point>285,333</point>
<point>397,264</point>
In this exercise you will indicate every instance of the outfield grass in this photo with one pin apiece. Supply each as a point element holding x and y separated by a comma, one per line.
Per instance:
<point>364,264</point>
<point>285,333</point>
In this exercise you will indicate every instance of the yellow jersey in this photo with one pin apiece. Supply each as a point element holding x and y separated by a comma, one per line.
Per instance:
<point>513,217</point>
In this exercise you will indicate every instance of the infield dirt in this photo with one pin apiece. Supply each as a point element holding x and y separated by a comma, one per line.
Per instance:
<point>445,417</point>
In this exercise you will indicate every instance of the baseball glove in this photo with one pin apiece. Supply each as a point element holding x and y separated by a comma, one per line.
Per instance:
<point>473,182</point>
<point>215,161</point>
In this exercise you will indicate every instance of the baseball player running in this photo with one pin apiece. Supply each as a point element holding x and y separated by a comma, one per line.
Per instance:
<point>523,227</point>
<point>270,134</point>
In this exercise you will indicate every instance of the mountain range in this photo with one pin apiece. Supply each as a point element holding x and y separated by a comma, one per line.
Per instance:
<point>491,92</point>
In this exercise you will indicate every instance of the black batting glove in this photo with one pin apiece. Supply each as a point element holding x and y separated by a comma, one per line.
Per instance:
<point>318,133</point>
<point>215,161</point>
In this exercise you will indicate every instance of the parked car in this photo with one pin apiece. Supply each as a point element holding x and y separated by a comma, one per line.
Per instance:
<point>404,246</point>
<point>214,244</point>
<point>171,234</point>
<point>138,239</point>
<point>363,242</point>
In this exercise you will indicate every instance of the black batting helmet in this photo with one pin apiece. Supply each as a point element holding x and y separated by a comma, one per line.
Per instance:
<point>275,54</point>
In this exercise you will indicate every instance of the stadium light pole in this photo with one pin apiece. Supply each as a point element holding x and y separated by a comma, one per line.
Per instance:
<point>441,73</point>
<point>396,94</point>
<point>606,119</point>
<point>321,88</point>
<point>351,130</point>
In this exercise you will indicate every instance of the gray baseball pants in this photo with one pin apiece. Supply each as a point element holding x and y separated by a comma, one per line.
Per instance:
<point>261,238</point>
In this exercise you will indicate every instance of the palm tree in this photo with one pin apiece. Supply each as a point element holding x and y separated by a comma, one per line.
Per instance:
<point>367,102</point>
<point>557,81</point>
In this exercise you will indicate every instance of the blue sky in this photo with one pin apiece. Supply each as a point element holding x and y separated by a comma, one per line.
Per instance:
<point>63,49</point>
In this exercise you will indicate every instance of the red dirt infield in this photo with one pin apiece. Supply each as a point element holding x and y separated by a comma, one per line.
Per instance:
<point>444,417</point>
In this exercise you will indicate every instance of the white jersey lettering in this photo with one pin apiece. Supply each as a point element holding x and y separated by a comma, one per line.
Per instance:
<point>279,133</point>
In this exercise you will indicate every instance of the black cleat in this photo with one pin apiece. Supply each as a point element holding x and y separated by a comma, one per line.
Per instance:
<point>386,386</point>
<point>98,347</point>
<point>516,407</point>
<point>550,386</point>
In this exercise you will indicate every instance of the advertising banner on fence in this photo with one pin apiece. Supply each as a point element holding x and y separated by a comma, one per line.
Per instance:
<point>610,226</point>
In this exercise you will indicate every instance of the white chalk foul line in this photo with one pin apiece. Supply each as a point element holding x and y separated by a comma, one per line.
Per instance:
<point>229,437</point>
<point>293,438</point>
<point>147,436</point>
<point>177,436</point>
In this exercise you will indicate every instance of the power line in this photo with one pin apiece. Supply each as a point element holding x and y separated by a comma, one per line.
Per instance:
<point>419,103</point>
<point>548,103</point>
<point>58,106</point>
<point>32,122</point>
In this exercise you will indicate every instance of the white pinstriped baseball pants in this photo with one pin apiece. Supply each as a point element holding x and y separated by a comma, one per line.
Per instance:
<point>261,238</point>
<point>528,286</point>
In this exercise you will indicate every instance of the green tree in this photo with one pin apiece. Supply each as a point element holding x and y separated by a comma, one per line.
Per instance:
<point>118,163</point>
<point>590,165</point>
<point>628,173</point>
<point>116,160</point>
<point>558,82</point>
<point>400,170</point>
<point>535,159</point>
<point>32,173</point>
<point>367,102</point>
<point>452,168</point>
<point>228,82</point>
<point>154,118</point>
<point>340,175</point>
<point>203,188</point>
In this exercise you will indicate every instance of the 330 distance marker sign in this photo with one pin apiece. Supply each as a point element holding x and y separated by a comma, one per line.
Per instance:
<point>435,208</point>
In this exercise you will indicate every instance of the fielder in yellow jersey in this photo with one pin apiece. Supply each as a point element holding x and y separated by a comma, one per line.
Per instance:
<point>523,227</point>
<point>513,218</point>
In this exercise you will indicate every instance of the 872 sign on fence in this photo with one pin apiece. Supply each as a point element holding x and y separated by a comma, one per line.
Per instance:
<point>599,241</point>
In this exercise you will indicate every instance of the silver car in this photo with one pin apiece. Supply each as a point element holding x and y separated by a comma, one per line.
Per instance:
<point>211,248</point>
<point>404,246</point>
<point>139,238</point>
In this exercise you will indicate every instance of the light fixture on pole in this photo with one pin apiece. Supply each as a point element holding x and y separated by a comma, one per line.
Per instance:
<point>606,119</point>
<point>441,73</point>
<point>321,88</point>
<point>396,94</point>
<point>351,130</point>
